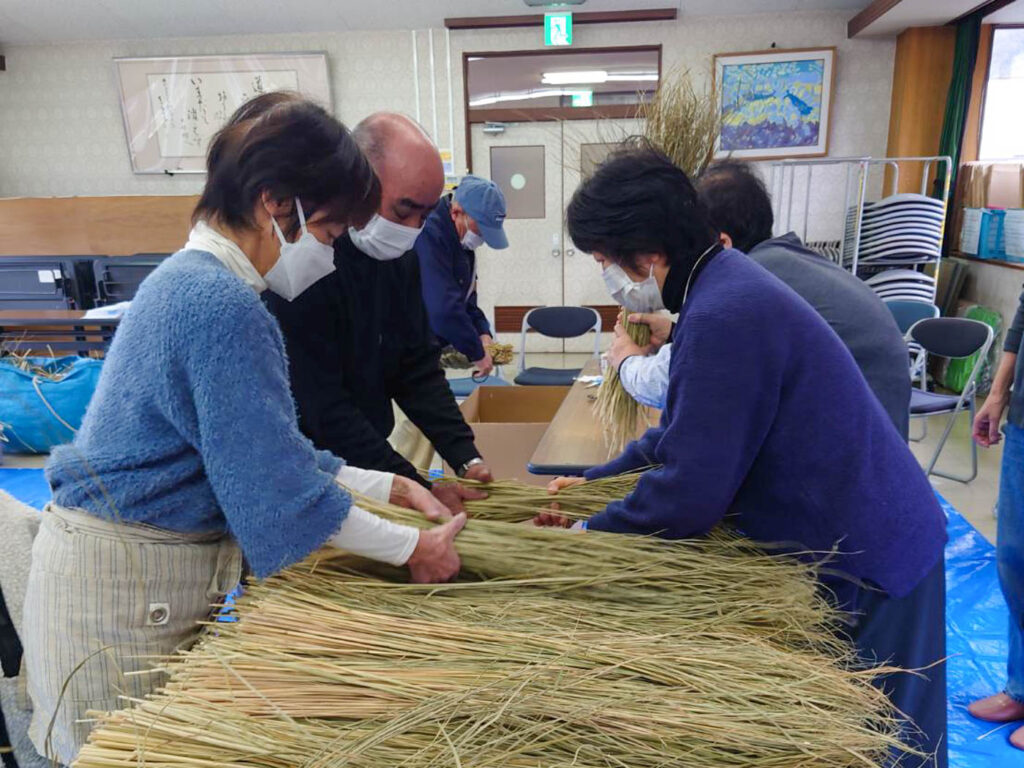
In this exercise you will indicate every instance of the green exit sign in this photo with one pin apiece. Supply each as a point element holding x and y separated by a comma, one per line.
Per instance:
<point>558,28</point>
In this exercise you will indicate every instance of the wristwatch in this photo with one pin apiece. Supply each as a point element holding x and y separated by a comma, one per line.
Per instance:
<point>461,471</point>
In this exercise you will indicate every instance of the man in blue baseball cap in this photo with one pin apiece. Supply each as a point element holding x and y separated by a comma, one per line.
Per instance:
<point>473,215</point>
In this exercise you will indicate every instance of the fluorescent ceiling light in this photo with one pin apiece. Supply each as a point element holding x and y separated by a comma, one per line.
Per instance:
<point>634,76</point>
<point>574,78</point>
<point>595,77</point>
<point>539,93</point>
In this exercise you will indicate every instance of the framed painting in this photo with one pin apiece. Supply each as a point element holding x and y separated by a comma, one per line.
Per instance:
<point>172,106</point>
<point>775,103</point>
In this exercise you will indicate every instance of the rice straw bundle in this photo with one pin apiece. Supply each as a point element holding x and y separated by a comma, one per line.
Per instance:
<point>573,650</point>
<point>682,122</point>
<point>501,354</point>
<point>327,667</point>
<point>621,417</point>
<point>511,501</point>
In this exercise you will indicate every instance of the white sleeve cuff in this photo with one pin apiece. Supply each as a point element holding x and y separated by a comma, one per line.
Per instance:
<point>366,482</point>
<point>363,533</point>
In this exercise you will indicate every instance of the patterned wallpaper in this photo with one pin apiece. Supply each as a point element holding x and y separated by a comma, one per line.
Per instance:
<point>61,131</point>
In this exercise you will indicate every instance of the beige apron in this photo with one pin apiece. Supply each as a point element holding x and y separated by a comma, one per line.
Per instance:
<point>407,439</point>
<point>101,595</point>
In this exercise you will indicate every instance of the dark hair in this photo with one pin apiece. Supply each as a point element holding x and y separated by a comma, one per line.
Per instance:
<point>282,143</point>
<point>638,201</point>
<point>737,203</point>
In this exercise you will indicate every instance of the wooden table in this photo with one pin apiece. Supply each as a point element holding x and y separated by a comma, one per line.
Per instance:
<point>54,329</point>
<point>574,441</point>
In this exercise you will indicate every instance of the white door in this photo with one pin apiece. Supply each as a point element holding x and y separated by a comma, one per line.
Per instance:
<point>585,144</point>
<point>542,267</point>
<point>529,271</point>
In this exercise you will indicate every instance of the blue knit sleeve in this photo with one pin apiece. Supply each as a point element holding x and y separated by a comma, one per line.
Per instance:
<point>277,493</point>
<point>328,462</point>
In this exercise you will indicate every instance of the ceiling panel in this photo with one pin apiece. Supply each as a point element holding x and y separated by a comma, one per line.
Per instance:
<point>48,21</point>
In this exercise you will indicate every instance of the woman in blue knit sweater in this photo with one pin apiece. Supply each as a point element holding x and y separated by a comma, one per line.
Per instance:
<point>190,459</point>
<point>768,420</point>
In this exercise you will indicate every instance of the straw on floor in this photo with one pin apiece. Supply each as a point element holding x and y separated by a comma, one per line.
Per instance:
<point>555,649</point>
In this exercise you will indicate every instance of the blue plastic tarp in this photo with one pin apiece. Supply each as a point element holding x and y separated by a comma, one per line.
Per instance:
<point>977,645</point>
<point>976,639</point>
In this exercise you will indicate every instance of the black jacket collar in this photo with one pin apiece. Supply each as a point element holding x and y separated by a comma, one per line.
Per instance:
<point>674,290</point>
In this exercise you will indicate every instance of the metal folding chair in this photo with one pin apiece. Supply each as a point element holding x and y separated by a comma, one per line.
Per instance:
<point>951,337</point>
<point>906,312</point>
<point>559,323</point>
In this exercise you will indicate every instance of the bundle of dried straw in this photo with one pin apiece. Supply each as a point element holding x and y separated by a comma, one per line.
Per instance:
<point>501,354</point>
<point>622,418</point>
<point>555,649</point>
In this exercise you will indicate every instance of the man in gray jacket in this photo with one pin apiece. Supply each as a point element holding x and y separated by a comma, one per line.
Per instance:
<point>740,208</point>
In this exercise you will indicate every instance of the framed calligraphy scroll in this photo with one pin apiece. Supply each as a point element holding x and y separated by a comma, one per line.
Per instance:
<point>173,106</point>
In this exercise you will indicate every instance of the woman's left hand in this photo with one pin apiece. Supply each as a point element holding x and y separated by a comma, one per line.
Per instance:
<point>623,347</point>
<point>411,495</point>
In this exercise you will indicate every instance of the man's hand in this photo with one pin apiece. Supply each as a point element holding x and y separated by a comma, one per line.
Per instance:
<point>452,495</point>
<point>485,339</point>
<point>661,325</point>
<point>987,420</point>
<point>552,519</point>
<point>481,473</point>
<point>561,483</point>
<point>623,347</point>
<point>411,495</point>
<point>484,365</point>
<point>435,560</point>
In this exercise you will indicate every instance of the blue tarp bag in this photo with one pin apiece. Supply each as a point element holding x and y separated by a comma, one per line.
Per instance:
<point>43,400</point>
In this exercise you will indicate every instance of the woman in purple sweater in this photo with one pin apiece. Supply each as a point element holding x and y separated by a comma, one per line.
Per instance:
<point>768,420</point>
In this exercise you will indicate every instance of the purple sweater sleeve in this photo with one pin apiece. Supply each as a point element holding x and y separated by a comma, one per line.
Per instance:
<point>724,390</point>
<point>637,455</point>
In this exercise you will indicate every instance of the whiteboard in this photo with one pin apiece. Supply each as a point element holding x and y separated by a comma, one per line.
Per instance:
<point>173,106</point>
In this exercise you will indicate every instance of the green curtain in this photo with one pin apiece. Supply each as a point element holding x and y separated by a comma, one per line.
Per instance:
<point>968,32</point>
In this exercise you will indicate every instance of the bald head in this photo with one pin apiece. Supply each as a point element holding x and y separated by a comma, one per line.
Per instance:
<point>407,164</point>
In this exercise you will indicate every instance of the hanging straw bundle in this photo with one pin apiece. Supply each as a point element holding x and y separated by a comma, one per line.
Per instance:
<point>622,418</point>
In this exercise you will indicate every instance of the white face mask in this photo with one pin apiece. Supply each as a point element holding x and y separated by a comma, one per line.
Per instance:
<point>384,240</point>
<point>644,296</point>
<point>471,240</point>
<point>301,263</point>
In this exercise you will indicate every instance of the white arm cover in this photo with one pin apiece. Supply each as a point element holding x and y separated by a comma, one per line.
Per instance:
<point>364,534</point>
<point>646,378</point>
<point>366,482</point>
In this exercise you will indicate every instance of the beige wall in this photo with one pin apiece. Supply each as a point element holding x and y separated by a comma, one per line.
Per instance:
<point>61,131</point>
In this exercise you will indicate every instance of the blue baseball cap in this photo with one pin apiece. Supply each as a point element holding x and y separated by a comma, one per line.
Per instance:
<point>483,202</point>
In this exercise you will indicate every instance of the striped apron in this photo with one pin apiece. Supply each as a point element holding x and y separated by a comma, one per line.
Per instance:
<point>101,597</point>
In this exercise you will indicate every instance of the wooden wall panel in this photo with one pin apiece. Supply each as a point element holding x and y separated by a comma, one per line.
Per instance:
<point>509,319</point>
<point>972,129</point>
<point>94,226</point>
<point>921,75</point>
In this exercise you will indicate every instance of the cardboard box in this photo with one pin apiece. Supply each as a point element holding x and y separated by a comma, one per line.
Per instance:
<point>508,422</point>
<point>992,185</point>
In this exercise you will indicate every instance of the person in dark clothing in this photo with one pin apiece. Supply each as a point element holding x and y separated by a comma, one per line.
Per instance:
<point>740,209</point>
<point>359,339</point>
<point>767,420</point>
<point>1006,399</point>
<point>470,217</point>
